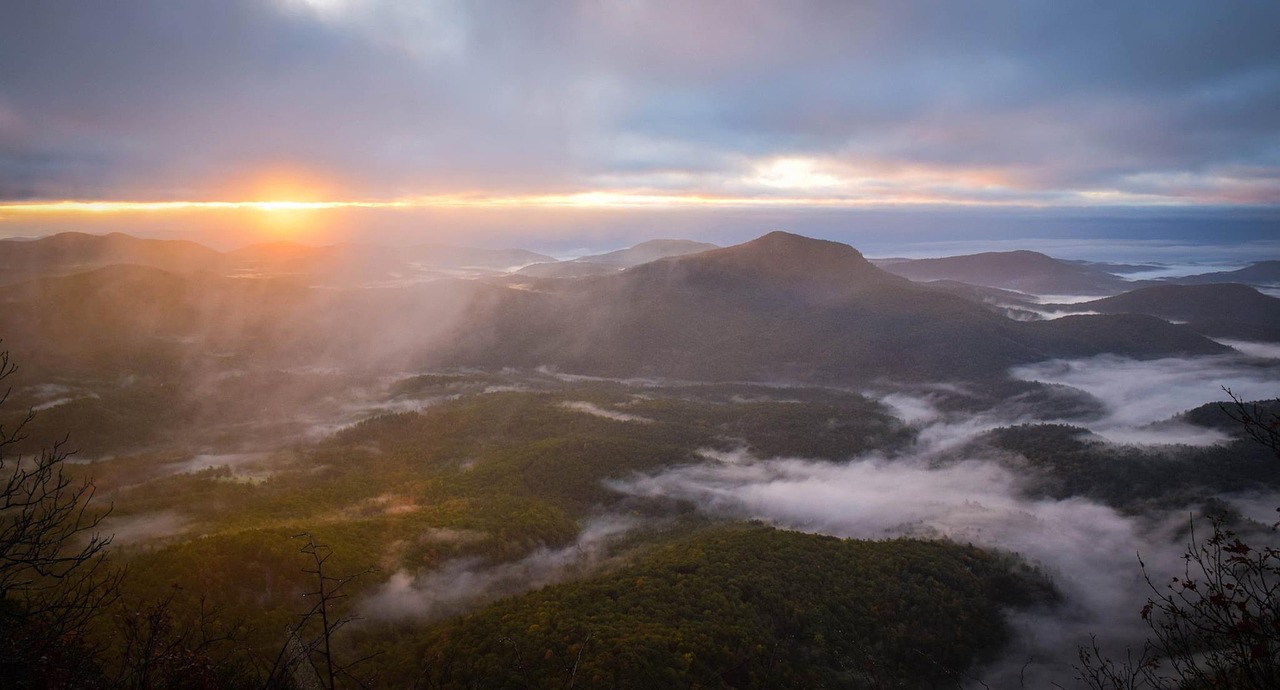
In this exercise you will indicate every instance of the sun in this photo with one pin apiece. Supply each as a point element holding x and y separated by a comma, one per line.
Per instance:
<point>285,203</point>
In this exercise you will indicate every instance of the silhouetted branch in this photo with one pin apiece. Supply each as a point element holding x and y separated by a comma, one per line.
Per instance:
<point>52,579</point>
<point>317,650</point>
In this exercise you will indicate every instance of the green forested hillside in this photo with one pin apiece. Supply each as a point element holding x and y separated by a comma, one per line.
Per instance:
<point>1227,310</point>
<point>1067,461</point>
<point>744,607</point>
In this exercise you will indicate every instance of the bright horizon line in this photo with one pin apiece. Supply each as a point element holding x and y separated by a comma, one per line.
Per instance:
<point>596,200</point>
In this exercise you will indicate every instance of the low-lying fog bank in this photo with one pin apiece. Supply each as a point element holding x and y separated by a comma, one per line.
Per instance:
<point>937,480</point>
<point>1089,549</point>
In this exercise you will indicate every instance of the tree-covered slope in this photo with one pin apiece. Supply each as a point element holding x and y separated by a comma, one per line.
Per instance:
<point>1228,310</point>
<point>782,307</point>
<point>745,607</point>
<point>1022,270</point>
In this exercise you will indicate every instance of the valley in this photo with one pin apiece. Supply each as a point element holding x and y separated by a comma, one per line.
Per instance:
<point>761,465</point>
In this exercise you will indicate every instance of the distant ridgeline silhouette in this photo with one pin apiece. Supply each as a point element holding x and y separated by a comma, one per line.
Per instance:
<point>778,308</point>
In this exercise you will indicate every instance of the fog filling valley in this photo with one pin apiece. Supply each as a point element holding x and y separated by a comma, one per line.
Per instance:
<point>1090,550</point>
<point>937,488</point>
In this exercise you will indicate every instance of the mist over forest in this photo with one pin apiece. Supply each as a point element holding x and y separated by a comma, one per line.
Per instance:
<point>637,468</point>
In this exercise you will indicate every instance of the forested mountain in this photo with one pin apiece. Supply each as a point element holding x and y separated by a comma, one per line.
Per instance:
<point>604,264</point>
<point>1262,273</point>
<point>782,307</point>
<point>651,250</point>
<point>361,263</point>
<point>136,318</point>
<point>566,269</point>
<point>747,607</point>
<point>1021,270</point>
<point>71,252</point>
<point>1227,310</point>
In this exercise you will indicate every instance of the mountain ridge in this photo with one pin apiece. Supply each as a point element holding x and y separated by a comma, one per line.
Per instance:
<point>1022,270</point>
<point>782,307</point>
<point>1229,310</point>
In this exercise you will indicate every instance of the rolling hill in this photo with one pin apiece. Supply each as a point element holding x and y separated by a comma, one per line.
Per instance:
<point>610,262</point>
<point>1262,273</point>
<point>72,252</point>
<point>782,307</point>
<point>645,252</point>
<point>1226,310</point>
<point>1024,271</point>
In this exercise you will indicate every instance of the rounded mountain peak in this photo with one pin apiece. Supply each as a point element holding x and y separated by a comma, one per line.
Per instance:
<point>783,253</point>
<point>819,268</point>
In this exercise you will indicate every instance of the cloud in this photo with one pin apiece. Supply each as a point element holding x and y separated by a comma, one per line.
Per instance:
<point>462,584</point>
<point>943,488</point>
<point>1141,395</point>
<point>135,529</point>
<point>1253,349</point>
<point>1089,549</point>
<point>1029,102</point>
<point>598,411</point>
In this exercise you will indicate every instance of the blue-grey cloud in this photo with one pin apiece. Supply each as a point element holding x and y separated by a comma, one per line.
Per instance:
<point>176,98</point>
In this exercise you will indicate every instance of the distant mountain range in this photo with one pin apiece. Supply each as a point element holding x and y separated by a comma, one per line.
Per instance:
<point>1024,271</point>
<point>1262,274</point>
<point>604,264</point>
<point>73,252</point>
<point>783,307</point>
<point>1038,274</point>
<point>779,308</point>
<point>1228,310</point>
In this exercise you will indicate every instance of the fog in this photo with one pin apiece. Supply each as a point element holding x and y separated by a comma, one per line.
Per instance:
<point>1138,400</point>
<point>460,585</point>
<point>1140,396</point>
<point>1253,349</point>
<point>1144,391</point>
<point>135,529</point>
<point>597,411</point>
<point>1051,314</point>
<point>1089,550</point>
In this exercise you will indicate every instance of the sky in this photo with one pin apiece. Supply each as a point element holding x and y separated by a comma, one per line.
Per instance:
<point>585,123</point>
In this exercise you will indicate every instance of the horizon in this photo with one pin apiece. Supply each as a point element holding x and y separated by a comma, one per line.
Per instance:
<point>1187,255</point>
